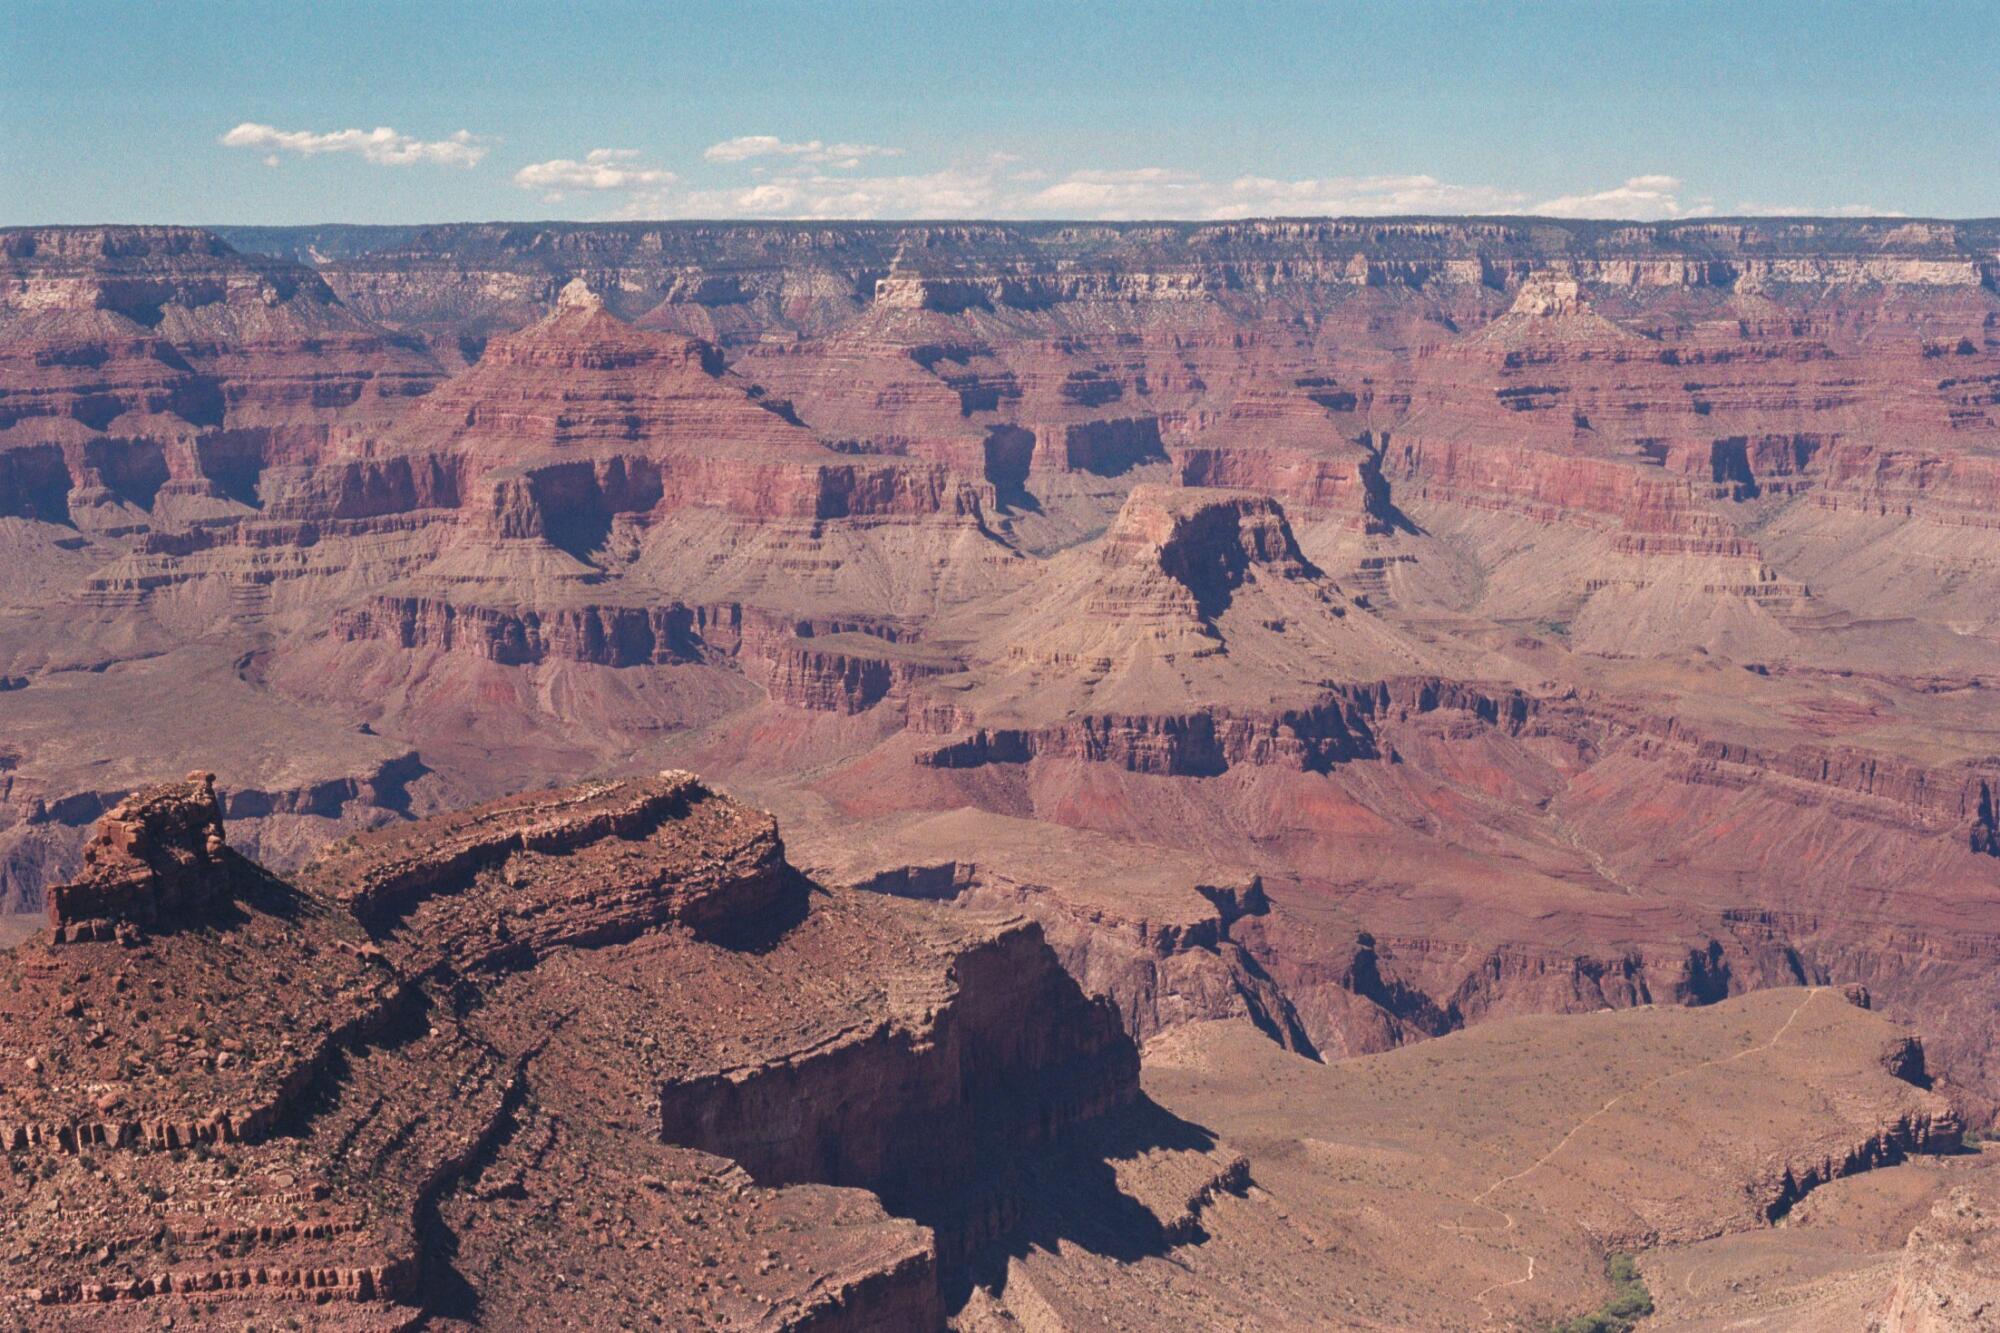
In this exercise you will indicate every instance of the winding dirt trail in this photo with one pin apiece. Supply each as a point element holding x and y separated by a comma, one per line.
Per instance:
<point>1479,1199</point>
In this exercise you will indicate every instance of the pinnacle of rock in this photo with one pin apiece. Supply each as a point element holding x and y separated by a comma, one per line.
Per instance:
<point>577,295</point>
<point>1549,294</point>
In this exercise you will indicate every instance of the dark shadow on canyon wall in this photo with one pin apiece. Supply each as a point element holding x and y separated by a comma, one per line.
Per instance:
<point>1071,1196</point>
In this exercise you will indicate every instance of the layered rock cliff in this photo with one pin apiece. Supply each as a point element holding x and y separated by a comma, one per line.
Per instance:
<point>1584,613</point>
<point>351,1097</point>
<point>733,275</point>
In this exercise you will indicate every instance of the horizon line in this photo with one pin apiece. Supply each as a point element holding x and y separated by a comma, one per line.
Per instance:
<point>1542,219</point>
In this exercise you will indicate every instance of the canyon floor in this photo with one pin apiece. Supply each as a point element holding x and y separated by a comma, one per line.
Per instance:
<point>1469,742</point>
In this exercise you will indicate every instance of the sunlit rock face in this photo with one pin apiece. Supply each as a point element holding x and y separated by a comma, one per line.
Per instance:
<point>1349,633</point>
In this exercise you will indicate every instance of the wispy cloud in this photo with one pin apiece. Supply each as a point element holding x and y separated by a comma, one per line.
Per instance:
<point>1162,192</point>
<point>842,155</point>
<point>1000,187</point>
<point>381,145</point>
<point>1751,209</point>
<point>952,192</point>
<point>1639,199</point>
<point>817,179</point>
<point>600,169</point>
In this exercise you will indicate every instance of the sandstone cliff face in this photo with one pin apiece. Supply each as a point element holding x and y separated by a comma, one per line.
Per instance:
<point>1162,940</point>
<point>1304,481</point>
<point>1949,1279</point>
<point>423,885</point>
<point>1588,612</point>
<point>818,664</point>
<point>614,636</point>
<point>623,981</point>
<point>167,372</point>
<point>925,1117</point>
<point>1344,724</point>
<point>741,276</point>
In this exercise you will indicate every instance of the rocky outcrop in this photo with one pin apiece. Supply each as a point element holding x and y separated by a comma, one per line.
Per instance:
<point>613,636</point>
<point>820,664</point>
<point>280,821</point>
<point>1949,1278</point>
<point>313,1099</point>
<point>1160,972</point>
<point>1948,490</point>
<point>925,1117</point>
<point>427,887</point>
<point>1922,1132</point>
<point>1204,544</point>
<point>1958,798</point>
<point>1158,940</point>
<point>850,678</point>
<point>156,856</point>
<point>1555,488</point>
<point>1308,482</point>
<point>1106,447</point>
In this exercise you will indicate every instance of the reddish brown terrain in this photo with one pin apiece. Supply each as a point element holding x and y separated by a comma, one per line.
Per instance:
<point>600,1055</point>
<point>1349,644</point>
<point>490,1065</point>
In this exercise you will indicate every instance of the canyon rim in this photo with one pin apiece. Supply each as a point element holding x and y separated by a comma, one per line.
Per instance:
<point>866,729</point>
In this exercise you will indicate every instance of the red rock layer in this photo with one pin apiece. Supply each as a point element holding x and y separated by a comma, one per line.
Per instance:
<point>1599,467</point>
<point>155,855</point>
<point>821,664</point>
<point>278,1099</point>
<point>1348,723</point>
<point>158,363</point>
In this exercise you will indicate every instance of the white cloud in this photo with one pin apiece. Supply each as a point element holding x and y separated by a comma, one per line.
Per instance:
<point>601,169</point>
<point>814,180</point>
<point>996,188</point>
<point>1152,191</point>
<point>845,156</point>
<point>1160,192</point>
<point>1748,209</point>
<point>1639,199</point>
<point>952,192</point>
<point>381,145</point>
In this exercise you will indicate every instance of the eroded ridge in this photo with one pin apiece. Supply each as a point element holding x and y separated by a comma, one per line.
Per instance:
<point>594,1053</point>
<point>516,877</point>
<point>1625,588</point>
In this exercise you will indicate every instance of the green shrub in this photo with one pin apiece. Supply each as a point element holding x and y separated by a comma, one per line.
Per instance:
<point>1628,1304</point>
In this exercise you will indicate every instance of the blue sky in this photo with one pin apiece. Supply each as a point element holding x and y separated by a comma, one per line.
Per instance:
<point>417,112</point>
